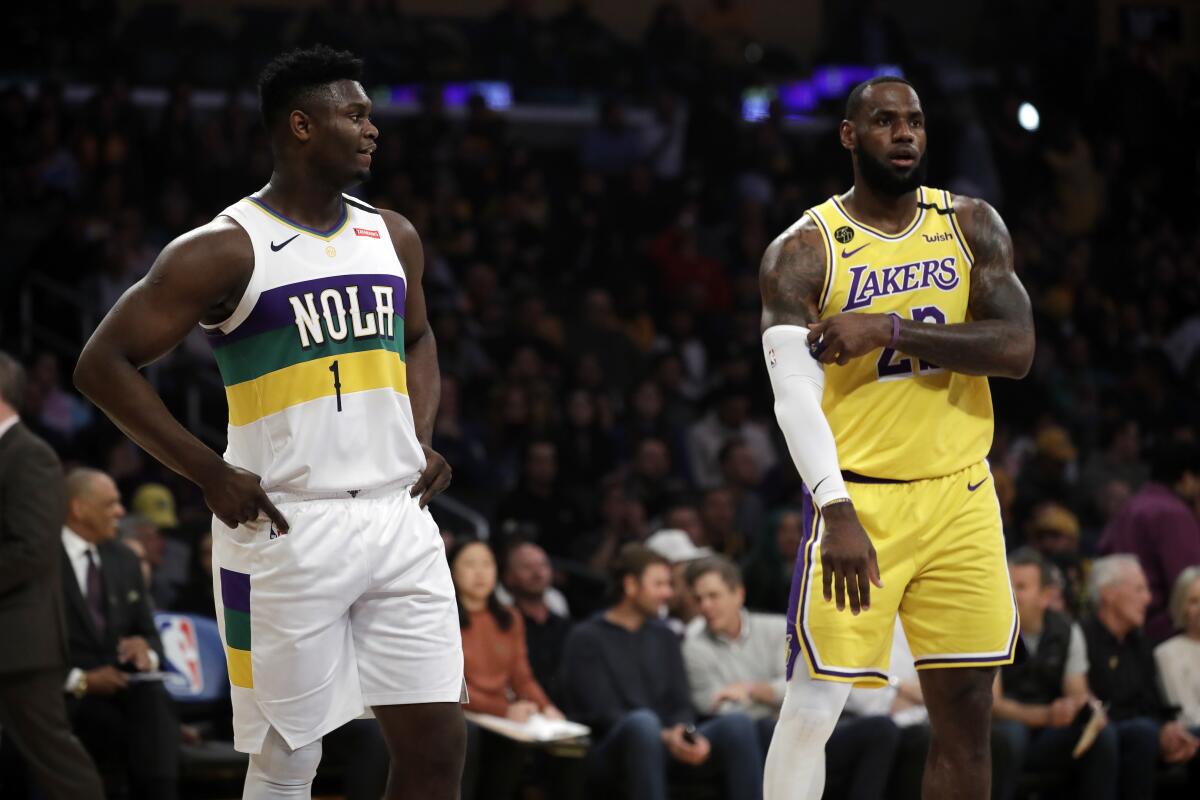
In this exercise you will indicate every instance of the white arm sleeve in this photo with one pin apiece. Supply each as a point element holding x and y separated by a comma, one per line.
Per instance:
<point>799,381</point>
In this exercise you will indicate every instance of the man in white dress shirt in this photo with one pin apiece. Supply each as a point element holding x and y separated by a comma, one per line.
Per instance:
<point>126,723</point>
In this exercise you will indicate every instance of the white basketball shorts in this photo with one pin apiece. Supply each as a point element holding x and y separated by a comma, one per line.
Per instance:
<point>352,608</point>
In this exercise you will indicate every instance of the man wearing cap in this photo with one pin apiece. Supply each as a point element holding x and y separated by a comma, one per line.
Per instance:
<point>678,548</point>
<point>1054,534</point>
<point>153,521</point>
<point>1159,527</point>
<point>1049,474</point>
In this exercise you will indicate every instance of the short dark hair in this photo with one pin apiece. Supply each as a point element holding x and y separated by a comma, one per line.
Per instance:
<point>632,560</point>
<point>1026,556</point>
<point>291,78</point>
<point>854,99</point>
<point>12,381</point>
<point>725,569</point>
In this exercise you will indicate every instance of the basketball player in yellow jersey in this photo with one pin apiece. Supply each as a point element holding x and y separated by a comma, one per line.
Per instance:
<point>885,309</point>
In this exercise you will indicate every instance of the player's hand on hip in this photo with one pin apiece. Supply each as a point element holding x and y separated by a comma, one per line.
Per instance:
<point>236,496</point>
<point>435,479</point>
<point>848,563</point>
<point>840,338</point>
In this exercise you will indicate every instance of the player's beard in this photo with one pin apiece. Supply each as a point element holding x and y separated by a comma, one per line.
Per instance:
<point>882,179</point>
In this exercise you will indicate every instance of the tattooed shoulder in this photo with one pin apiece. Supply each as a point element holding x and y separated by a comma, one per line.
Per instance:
<point>792,274</point>
<point>985,232</point>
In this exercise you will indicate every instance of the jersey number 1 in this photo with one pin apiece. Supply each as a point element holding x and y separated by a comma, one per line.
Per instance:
<point>337,384</point>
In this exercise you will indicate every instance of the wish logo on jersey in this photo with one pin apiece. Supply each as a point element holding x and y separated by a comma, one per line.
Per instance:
<point>866,284</point>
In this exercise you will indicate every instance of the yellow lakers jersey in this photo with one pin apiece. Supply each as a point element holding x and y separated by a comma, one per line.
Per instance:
<point>895,416</point>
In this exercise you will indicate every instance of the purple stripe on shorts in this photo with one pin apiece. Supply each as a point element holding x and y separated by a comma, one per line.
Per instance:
<point>807,514</point>
<point>235,590</point>
<point>798,601</point>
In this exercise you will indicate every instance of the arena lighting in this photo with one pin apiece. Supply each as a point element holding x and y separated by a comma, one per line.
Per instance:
<point>801,97</point>
<point>1028,117</point>
<point>496,94</point>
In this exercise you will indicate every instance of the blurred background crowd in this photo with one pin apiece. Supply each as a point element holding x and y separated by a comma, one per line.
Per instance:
<point>592,241</point>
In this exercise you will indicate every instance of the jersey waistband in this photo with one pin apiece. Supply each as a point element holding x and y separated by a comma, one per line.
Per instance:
<point>849,476</point>
<point>854,477</point>
<point>345,494</point>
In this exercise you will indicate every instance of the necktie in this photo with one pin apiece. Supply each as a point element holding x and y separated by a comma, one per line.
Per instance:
<point>95,593</point>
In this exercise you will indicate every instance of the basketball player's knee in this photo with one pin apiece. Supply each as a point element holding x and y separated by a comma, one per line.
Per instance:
<point>278,771</point>
<point>811,709</point>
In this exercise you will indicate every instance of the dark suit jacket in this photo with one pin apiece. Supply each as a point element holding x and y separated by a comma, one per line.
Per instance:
<point>127,608</point>
<point>32,509</point>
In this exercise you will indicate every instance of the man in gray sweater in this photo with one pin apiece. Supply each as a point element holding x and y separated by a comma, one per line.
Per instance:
<point>735,665</point>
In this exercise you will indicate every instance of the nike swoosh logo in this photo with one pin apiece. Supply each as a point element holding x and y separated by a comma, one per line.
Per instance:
<point>971,488</point>
<point>278,247</point>
<point>852,252</point>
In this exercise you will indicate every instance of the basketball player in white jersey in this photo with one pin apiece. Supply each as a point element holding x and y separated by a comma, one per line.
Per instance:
<point>333,594</point>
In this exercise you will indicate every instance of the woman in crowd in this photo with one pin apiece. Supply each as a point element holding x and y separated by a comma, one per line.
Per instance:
<point>1179,657</point>
<point>499,679</point>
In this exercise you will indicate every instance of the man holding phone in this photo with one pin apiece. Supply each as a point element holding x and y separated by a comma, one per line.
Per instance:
<point>623,675</point>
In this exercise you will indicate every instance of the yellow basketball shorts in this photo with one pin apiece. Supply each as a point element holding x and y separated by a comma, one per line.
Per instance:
<point>940,546</point>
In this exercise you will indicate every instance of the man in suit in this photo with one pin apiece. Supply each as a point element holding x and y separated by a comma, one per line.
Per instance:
<point>32,713</point>
<point>128,725</point>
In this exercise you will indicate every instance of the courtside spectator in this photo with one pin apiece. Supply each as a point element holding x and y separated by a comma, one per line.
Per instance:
<point>499,679</point>
<point>1178,658</point>
<point>623,675</point>
<point>129,727</point>
<point>527,575</point>
<point>1038,699</point>
<point>679,550</point>
<point>1122,675</point>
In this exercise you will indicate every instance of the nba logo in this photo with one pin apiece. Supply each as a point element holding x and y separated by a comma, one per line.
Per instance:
<point>183,652</point>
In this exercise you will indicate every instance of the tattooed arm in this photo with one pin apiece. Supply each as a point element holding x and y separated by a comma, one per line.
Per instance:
<point>998,338</point>
<point>791,277</point>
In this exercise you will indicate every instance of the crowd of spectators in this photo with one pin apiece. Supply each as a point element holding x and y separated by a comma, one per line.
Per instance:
<point>596,306</point>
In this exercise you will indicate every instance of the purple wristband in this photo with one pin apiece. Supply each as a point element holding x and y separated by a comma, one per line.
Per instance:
<point>895,330</point>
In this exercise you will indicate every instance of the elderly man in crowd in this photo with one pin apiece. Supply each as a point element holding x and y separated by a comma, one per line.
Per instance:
<point>129,726</point>
<point>1121,673</point>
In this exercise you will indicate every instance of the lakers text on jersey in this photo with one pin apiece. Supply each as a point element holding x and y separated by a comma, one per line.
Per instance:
<point>894,416</point>
<point>916,437</point>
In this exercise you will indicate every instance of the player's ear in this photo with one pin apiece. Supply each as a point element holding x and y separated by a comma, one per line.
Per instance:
<point>847,135</point>
<point>300,125</point>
